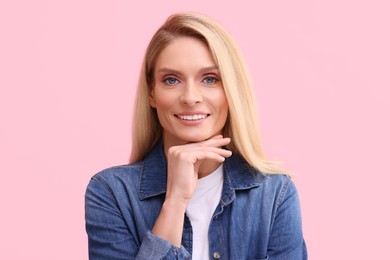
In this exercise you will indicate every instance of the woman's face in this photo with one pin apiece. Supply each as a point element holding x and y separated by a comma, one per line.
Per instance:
<point>188,93</point>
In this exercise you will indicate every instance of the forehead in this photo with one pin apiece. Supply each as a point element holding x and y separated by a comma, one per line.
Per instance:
<point>185,53</point>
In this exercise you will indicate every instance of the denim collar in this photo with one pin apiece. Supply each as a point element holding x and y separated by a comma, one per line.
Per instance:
<point>238,175</point>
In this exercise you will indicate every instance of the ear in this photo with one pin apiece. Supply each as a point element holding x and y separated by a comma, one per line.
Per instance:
<point>152,101</point>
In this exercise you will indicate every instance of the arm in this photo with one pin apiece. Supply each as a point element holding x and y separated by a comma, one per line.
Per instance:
<point>108,235</point>
<point>110,238</point>
<point>286,239</point>
<point>185,164</point>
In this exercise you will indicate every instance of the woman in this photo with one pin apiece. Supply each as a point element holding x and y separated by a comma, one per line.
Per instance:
<point>198,184</point>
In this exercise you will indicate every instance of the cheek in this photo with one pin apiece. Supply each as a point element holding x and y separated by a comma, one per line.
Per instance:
<point>164,107</point>
<point>222,103</point>
<point>162,101</point>
<point>224,109</point>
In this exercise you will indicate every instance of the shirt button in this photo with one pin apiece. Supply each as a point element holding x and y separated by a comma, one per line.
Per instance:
<point>216,217</point>
<point>217,255</point>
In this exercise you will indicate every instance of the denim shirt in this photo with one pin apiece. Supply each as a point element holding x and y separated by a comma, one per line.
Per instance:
<point>258,216</point>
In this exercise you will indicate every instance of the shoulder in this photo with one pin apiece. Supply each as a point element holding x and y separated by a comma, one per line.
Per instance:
<point>243,176</point>
<point>275,181</point>
<point>116,178</point>
<point>275,185</point>
<point>280,185</point>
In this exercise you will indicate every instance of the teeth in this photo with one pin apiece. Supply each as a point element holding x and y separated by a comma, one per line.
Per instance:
<point>193,117</point>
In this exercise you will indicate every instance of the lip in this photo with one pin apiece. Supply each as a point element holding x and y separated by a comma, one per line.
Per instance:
<point>196,121</point>
<point>192,113</point>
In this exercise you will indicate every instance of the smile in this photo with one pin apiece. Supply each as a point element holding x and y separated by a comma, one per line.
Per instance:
<point>192,117</point>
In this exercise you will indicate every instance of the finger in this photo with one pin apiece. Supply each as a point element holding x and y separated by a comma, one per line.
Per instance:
<point>212,153</point>
<point>187,149</point>
<point>209,155</point>
<point>216,141</point>
<point>219,151</point>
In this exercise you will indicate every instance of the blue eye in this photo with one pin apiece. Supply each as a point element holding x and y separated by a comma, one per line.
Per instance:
<point>170,81</point>
<point>210,80</point>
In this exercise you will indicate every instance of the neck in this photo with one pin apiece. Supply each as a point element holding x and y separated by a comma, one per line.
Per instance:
<point>207,167</point>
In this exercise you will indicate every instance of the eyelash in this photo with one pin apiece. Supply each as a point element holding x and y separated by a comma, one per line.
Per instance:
<point>215,79</point>
<point>166,80</point>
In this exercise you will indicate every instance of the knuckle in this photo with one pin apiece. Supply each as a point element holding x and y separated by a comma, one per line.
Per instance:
<point>181,155</point>
<point>172,150</point>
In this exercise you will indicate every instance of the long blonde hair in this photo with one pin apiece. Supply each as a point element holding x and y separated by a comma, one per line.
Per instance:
<point>241,125</point>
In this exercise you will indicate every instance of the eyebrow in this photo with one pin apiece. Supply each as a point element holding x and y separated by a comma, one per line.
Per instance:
<point>203,70</point>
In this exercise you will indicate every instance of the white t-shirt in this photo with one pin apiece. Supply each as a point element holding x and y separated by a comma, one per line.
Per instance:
<point>200,210</point>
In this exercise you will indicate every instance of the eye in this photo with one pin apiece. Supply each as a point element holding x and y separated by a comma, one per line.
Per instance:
<point>210,80</point>
<point>170,81</point>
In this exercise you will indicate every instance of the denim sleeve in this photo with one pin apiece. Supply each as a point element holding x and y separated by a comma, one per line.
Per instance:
<point>110,238</point>
<point>286,238</point>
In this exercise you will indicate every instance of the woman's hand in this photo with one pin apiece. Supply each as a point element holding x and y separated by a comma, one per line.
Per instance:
<point>185,163</point>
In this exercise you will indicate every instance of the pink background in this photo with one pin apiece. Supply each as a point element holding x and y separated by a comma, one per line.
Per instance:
<point>68,71</point>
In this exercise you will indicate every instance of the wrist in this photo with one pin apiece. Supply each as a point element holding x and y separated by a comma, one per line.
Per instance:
<point>169,224</point>
<point>173,204</point>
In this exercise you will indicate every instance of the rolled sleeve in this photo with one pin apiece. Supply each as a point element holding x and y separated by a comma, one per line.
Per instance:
<point>154,247</point>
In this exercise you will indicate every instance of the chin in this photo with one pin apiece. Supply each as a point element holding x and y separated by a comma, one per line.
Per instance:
<point>198,138</point>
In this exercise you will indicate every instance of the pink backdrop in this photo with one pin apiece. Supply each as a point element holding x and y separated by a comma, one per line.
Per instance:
<point>68,71</point>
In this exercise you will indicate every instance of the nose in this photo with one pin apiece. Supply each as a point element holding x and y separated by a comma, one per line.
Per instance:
<point>191,94</point>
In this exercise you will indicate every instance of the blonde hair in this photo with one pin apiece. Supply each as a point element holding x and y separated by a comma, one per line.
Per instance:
<point>241,125</point>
